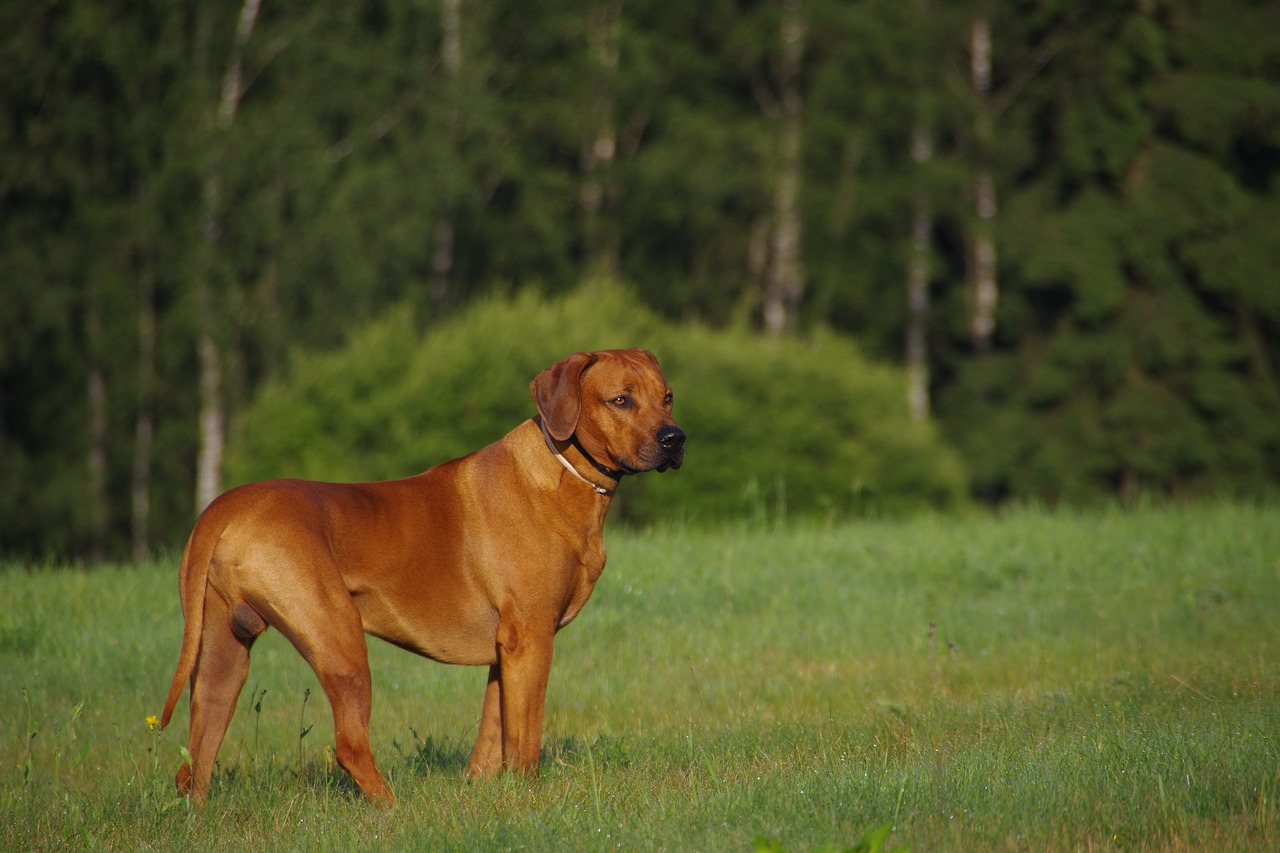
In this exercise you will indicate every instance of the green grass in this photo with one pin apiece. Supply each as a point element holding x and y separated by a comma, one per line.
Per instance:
<point>1102,680</point>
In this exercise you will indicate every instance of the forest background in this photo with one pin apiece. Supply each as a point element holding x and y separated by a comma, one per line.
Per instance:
<point>1057,223</point>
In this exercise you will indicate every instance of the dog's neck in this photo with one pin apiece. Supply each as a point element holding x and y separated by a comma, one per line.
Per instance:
<point>568,466</point>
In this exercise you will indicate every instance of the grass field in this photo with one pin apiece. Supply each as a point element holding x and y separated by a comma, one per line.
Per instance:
<point>1034,681</point>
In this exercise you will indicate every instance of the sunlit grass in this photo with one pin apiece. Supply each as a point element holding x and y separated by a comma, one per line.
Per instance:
<point>1034,681</point>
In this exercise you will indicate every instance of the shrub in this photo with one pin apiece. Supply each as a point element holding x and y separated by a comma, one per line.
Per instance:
<point>775,427</point>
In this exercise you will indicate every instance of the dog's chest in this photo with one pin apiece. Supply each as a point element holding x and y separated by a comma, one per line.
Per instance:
<point>589,569</point>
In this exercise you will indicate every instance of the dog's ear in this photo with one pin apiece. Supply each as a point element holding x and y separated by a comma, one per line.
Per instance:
<point>555,390</point>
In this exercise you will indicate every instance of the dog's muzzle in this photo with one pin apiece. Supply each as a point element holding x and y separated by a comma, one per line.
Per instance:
<point>671,440</point>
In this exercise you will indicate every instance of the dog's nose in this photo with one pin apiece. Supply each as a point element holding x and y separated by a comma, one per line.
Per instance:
<point>671,437</point>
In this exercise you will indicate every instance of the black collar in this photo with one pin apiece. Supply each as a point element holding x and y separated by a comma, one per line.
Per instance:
<point>608,472</point>
<point>614,474</point>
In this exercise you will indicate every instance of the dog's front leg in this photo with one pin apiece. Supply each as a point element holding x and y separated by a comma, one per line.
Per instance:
<point>486,757</point>
<point>524,663</point>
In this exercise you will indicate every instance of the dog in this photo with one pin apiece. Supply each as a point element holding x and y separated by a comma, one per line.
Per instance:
<point>477,561</point>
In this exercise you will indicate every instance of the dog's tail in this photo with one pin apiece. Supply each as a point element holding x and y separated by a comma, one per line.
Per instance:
<point>193,575</point>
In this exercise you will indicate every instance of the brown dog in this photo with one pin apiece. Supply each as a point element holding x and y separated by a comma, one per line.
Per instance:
<point>476,561</point>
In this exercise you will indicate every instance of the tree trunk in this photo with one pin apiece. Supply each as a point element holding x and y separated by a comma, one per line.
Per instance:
<point>208,353</point>
<point>212,421</point>
<point>982,260</point>
<point>917,351</point>
<point>442,255</point>
<point>96,386</point>
<point>442,262</point>
<point>451,36</point>
<point>144,430</point>
<point>784,282</point>
<point>604,25</point>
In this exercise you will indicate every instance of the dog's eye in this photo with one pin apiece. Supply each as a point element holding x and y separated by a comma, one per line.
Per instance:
<point>668,400</point>
<point>621,401</point>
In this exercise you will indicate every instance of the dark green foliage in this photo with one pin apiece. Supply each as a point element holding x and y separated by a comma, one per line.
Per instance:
<point>1134,149</point>
<point>1141,309</point>
<point>797,427</point>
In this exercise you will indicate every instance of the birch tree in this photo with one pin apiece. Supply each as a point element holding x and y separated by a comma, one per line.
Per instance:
<point>917,350</point>
<point>209,355</point>
<point>451,63</point>
<point>784,274</point>
<point>96,387</point>
<point>604,25</point>
<point>144,425</point>
<point>982,250</point>
<point>988,105</point>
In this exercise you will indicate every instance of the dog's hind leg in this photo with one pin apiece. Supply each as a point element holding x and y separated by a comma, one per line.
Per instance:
<point>220,673</point>
<point>350,692</point>
<point>341,663</point>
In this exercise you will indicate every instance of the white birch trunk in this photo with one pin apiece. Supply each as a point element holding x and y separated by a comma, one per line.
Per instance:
<point>209,356</point>
<point>212,421</point>
<point>144,430</point>
<point>784,282</point>
<point>451,36</point>
<point>98,424</point>
<point>986,286</point>
<point>917,350</point>
<point>604,26</point>
<point>446,232</point>
<point>95,497</point>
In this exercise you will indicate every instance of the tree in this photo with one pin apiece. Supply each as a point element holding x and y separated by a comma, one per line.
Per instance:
<point>183,203</point>
<point>917,352</point>
<point>1125,362</point>
<point>74,213</point>
<point>982,249</point>
<point>784,278</point>
<point>213,414</point>
<point>599,193</point>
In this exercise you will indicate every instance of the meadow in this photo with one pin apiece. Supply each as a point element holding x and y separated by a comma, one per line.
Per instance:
<point>1033,680</point>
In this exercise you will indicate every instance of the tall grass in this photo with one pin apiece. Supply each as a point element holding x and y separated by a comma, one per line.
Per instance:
<point>1091,680</point>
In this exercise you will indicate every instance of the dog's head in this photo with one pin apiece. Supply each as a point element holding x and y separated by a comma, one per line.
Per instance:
<point>616,404</point>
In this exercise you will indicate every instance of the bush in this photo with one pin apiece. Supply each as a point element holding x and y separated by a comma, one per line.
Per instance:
<point>775,427</point>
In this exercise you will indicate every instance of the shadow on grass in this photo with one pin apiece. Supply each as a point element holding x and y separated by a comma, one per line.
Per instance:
<point>430,755</point>
<point>433,755</point>
<point>313,776</point>
<point>600,751</point>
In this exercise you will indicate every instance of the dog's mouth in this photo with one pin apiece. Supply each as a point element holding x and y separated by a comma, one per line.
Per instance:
<point>667,452</point>
<point>673,462</point>
<point>667,464</point>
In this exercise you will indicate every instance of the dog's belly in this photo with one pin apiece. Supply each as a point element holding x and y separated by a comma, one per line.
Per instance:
<point>458,635</point>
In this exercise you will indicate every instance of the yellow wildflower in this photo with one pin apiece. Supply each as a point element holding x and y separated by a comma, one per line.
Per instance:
<point>152,722</point>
